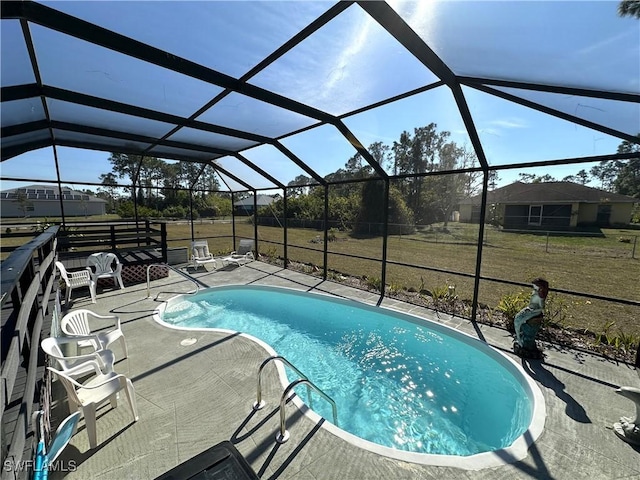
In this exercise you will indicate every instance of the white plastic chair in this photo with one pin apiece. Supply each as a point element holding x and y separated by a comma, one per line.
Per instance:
<point>76,324</point>
<point>243,255</point>
<point>88,396</point>
<point>77,365</point>
<point>81,278</point>
<point>105,265</point>
<point>200,254</point>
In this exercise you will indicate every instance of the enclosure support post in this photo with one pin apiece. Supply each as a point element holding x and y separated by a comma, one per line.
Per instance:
<point>285,226</point>
<point>255,222</point>
<point>483,212</point>
<point>326,230</point>
<point>385,235</point>
<point>55,158</point>
<point>191,212</point>
<point>233,221</point>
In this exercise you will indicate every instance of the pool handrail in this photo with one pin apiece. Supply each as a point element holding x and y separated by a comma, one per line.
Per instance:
<point>282,436</point>
<point>258,404</point>
<point>175,270</point>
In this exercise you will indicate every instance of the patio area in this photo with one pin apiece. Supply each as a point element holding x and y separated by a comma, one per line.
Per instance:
<point>193,397</point>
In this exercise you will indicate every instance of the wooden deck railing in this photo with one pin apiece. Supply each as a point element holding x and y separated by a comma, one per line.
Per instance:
<point>27,279</point>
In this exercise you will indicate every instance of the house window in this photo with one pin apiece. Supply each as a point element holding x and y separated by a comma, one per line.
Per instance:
<point>535,214</point>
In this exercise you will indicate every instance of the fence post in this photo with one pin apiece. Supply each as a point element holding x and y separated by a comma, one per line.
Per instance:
<point>546,248</point>
<point>113,237</point>
<point>147,232</point>
<point>633,255</point>
<point>163,241</point>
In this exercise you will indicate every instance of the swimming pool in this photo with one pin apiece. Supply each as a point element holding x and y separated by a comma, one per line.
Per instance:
<point>405,387</point>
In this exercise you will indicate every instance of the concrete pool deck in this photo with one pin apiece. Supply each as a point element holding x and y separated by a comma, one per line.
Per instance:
<point>191,397</point>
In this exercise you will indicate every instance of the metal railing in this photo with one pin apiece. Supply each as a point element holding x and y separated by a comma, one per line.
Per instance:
<point>282,435</point>
<point>188,277</point>
<point>259,403</point>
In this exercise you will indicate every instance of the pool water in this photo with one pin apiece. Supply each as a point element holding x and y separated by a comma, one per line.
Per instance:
<point>397,380</point>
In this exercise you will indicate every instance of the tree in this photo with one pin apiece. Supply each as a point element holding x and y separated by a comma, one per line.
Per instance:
<point>356,167</point>
<point>606,172</point>
<point>24,204</point>
<point>126,166</point>
<point>582,177</point>
<point>494,178</point>
<point>108,191</point>
<point>629,8</point>
<point>300,186</point>
<point>381,153</point>
<point>415,155</point>
<point>466,158</point>
<point>371,214</point>
<point>531,178</point>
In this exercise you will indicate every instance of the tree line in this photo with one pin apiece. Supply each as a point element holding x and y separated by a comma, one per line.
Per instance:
<point>418,194</point>
<point>419,200</point>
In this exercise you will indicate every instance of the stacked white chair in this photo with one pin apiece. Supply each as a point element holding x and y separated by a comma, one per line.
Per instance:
<point>101,388</point>
<point>77,365</point>
<point>77,324</point>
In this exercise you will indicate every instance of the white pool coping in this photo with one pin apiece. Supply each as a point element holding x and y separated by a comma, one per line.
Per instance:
<point>517,451</point>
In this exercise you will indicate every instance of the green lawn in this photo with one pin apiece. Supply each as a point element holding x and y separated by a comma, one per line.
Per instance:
<point>601,265</point>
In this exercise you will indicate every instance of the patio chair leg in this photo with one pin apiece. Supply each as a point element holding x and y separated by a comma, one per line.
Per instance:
<point>124,346</point>
<point>90,423</point>
<point>131,396</point>
<point>92,291</point>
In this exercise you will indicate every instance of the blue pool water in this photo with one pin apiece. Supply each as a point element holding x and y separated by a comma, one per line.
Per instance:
<point>398,381</point>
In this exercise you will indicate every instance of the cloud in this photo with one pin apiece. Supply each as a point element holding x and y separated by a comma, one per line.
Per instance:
<point>614,42</point>
<point>508,123</point>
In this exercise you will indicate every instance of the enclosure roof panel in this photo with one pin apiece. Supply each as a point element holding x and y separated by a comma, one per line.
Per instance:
<point>211,82</point>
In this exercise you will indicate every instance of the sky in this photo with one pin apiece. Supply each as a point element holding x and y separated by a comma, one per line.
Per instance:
<point>349,63</point>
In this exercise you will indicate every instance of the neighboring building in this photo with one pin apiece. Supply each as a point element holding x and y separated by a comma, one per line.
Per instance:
<point>550,205</point>
<point>44,201</point>
<point>245,206</point>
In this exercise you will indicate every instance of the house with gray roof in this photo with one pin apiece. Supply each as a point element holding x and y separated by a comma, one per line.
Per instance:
<point>44,201</point>
<point>245,205</point>
<point>550,205</point>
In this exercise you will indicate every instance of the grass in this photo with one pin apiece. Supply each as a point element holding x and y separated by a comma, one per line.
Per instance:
<point>600,265</point>
<point>597,265</point>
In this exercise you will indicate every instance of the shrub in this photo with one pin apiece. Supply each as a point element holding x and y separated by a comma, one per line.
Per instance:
<point>511,304</point>
<point>373,283</point>
<point>174,211</point>
<point>395,288</point>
